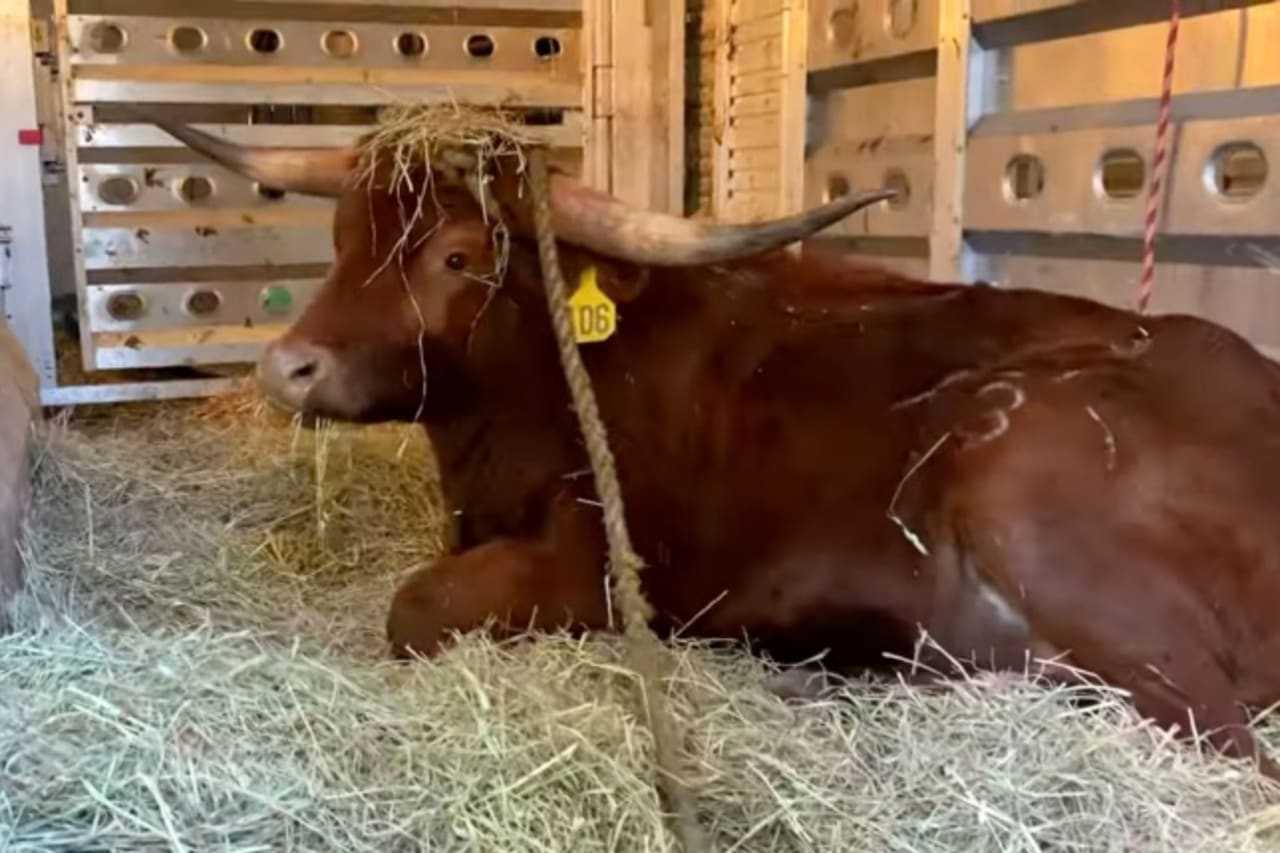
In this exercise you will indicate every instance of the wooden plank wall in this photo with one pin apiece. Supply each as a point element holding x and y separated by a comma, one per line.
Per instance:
<point>749,108</point>
<point>700,127</point>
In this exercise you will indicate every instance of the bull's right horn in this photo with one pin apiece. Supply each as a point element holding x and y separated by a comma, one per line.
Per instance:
<point>602,223</point>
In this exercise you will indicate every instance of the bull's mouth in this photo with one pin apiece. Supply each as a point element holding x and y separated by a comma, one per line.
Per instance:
<point>305,416</point>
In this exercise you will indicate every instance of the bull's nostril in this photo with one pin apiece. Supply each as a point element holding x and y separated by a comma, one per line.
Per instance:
<point>303,372</point>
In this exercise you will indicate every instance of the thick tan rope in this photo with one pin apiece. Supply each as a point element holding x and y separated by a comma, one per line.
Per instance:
<point>645,652</point>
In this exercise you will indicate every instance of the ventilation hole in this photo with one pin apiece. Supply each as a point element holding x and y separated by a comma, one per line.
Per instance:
<point>340,44</point>
<point>195,189</point>
<point>1238,170</point>
<point>1122,173</point>
<point>125,307</point>
<point>265,41</point>
<point>900,18</point>
<point>118,190</point>
<point>106,37</point>
<point>546,47</point>
<point>837,186</point>
<point>480,46</point>
<point>544,117</point>
<point>203,303</point>
<point>277,300</point>
<point>1024,178</point>
<point>269,193</point>
<point>842,28</point>
<point>896,179</point>
<point>411,45</point>
<point>188,39</point>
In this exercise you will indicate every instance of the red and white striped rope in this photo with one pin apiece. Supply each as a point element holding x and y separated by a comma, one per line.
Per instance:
<point>1159,164</point>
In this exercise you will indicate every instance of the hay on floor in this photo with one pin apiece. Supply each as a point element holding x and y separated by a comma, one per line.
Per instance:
<point>200,666</point>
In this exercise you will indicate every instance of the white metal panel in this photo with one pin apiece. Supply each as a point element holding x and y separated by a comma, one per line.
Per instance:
<point>149,43</point>
<point>131,248</point>
<point>163,233</point>
<point>238,303</point>
<point>569,134</point>
<point>513,90</point>
<point>160,187</point>
<point>1074,200</point>
<point>868,163</point>
<point>1227,50</point>
<point>848,31</point>
<point>24,269</point>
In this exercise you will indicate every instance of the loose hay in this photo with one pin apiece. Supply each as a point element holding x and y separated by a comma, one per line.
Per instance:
<point>199,666</point>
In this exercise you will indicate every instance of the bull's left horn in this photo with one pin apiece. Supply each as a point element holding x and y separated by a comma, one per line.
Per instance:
<point>604,224</point>
<point>311,171</point>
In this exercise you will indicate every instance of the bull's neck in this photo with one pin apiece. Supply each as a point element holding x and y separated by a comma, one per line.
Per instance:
<point>516,444</point>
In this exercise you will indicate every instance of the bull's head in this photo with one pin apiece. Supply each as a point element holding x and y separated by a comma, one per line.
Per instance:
<point>408,282</point>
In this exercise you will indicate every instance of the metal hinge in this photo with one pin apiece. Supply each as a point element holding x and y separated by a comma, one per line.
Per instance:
<point>602,91</point>
<point>42,41</point>
<point>6,269</point>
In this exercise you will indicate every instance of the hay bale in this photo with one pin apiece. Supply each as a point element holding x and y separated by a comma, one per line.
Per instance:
<point>19,409</point>
<point>200,665</point>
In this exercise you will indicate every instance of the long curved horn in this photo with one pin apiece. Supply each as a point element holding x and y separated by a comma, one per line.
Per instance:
<point>311,171</point>
<point>602,223</point>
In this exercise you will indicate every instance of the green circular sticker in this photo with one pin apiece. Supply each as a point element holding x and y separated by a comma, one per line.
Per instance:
<point>277,300</point>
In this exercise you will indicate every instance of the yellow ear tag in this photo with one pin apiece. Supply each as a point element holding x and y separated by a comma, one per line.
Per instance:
<point>595,317</point>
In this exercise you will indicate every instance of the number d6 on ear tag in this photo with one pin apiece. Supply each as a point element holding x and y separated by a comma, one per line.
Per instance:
<point>595,317</point>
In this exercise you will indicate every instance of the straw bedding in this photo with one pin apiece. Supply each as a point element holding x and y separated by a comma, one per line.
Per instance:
<point>199,666</point>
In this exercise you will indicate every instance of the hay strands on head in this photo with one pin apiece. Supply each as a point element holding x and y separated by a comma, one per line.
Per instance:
<point>461,141</point>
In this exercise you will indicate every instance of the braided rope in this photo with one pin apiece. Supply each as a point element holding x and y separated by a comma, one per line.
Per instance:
<point>644,651</point>
<point>1159,165</point>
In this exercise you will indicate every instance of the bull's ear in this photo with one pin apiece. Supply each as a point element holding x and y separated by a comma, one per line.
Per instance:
<point>622,282</point>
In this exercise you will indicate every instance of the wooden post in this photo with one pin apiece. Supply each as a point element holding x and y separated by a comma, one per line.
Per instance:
<point>636,84</point>
<point>947,252</point>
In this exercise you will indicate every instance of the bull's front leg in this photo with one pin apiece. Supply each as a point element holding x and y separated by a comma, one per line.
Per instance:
<point>546,584</point>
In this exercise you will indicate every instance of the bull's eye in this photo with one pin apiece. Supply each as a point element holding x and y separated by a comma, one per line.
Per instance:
<point>457,262</point>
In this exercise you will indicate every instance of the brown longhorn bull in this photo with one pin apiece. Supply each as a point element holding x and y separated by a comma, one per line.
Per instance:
<point>816,455</point>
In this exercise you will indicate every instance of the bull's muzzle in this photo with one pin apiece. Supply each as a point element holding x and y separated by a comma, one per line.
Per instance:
<point>290,372</point>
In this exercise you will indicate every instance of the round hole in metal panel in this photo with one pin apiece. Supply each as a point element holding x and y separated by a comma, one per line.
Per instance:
<point>896,179</point>
<point>1023,177</point>
<point>480,46</point>
<point>118,190</point>
<point>1122,174</point>
<point>269,193</point>
<point>340,44</point>
<point>106,37</point>
<point>837,186</point>
<point>900,17</point>
<point>203,303</point>
<point>195,189</point>
<point>547,47</point>
<point>1238,170</point>
<point>187,39</point>
<point>265,41</point>
<point>842,27</point>
<point>277,300</point>
<point>411,45</point>
<point>126,306</point>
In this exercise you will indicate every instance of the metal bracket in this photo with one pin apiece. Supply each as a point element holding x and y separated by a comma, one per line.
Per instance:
<point>6,269</point>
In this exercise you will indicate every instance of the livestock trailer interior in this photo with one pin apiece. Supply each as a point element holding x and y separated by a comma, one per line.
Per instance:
<point>202,596</point>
